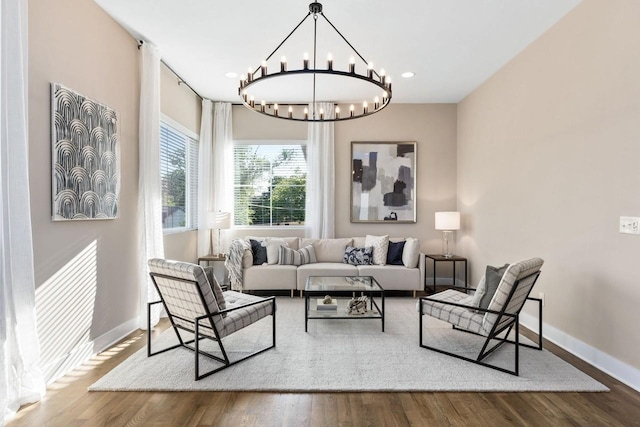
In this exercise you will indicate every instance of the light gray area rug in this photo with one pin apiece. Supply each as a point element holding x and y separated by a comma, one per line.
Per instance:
<point>346,355</point>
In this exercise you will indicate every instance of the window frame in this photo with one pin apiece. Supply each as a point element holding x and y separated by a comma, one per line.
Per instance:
<point>164,119</point>
<point>301,142</point>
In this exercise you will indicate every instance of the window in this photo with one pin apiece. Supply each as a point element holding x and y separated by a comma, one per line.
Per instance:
<point>179,176</point>
<point>270,183</point>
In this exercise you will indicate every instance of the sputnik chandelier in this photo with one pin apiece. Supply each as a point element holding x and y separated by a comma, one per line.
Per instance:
<point>300,112</point>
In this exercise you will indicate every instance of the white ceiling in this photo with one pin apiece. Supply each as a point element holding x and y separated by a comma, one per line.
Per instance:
<point>452,46</point>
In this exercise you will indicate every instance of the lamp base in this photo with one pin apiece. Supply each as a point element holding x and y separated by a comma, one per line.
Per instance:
<point>446,237</point>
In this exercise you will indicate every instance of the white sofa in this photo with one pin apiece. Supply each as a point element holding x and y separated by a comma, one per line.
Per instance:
<point>329,254</point>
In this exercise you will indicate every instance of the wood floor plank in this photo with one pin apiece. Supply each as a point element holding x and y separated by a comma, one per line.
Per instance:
<point>68,403</point>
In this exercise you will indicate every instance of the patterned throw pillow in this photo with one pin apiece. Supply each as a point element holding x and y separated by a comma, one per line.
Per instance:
<point>380,247</point>
<point>358,256</point>
<point>288,256</point>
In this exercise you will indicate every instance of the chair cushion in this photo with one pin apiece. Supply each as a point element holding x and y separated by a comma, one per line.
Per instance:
<point>217,289</point>
<point>238,319</point>
<point>181,296</point>
<point>463,318</point>
<point>380,247</point>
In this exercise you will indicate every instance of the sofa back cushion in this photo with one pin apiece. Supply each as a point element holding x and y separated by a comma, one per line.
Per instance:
<point>328,250</point>
<point>292,242</point>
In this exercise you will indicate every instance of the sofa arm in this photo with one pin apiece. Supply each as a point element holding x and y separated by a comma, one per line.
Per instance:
<point>422,267</point>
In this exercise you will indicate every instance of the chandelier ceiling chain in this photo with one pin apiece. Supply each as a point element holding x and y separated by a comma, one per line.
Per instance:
<point>380,80</point>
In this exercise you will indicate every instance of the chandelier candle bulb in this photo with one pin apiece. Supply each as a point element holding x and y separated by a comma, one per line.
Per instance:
<point>389,84</point>
<point>306,113</point>
<point>263,68</point>
<point>329,62</point>
<point>244,95</point>
<point>283,64</point>
<point>250,74</point>
<point>337,112</point>
<point>262,105</point>
<point>275,109</point>
<point>370,70</point>
<point>383,77</point>
<point>352,65</point>
<point>385,95</point>
<point>242,81</point>
<point>376,103</point>
<point>252,101</point>
<point>351,109</point>
<point>290,111</point>
<point>305,61</point>
<point>365,107</point>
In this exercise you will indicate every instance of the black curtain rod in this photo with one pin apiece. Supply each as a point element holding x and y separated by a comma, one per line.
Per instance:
<point>180,79</point>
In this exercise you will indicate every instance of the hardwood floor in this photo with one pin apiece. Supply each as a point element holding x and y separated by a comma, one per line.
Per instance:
<point>68,403</point>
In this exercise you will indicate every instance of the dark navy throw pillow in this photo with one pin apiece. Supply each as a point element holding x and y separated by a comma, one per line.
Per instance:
<point>259,252</point>
<point>394,254</point>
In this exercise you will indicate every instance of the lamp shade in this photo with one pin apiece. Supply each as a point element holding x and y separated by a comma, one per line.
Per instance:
<point>447,220</point>
<point>219,220</point>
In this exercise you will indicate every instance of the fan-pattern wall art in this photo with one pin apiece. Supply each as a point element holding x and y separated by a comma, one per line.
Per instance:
<point>86,165</point>
<point>383,182</point>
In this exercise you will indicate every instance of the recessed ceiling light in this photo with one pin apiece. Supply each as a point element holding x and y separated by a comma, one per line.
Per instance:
<point>231,75</point>
<point>408,74</point>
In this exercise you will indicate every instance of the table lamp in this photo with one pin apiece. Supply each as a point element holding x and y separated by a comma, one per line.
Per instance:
<point>219,221</point>
<point>447,222</point>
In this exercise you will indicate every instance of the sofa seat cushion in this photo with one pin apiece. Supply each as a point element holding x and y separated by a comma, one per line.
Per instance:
<point>392,277</point>
<point>324,269</point>
<point>270,277</point>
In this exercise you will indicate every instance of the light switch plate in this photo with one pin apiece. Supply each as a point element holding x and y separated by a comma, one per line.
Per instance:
<point>630,224</point>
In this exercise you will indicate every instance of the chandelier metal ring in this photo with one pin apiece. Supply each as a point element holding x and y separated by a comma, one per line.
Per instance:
<point>286,110</point>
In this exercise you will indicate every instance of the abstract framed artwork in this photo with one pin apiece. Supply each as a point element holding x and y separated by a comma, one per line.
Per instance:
<point>85,157</point>
<point>383,182</point>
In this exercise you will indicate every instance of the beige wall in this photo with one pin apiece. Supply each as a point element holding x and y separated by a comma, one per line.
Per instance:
<point>179,103</point>
<point>432,126</point>
<point>548,153</point>
<point>85,270</point>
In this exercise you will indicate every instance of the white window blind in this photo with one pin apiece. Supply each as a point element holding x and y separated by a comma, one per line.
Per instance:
<point>179,176</point>
<point>269,184</point>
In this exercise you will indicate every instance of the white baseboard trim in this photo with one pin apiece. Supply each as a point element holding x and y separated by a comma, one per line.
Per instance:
<point>619,370</point>
<point>84,351</point>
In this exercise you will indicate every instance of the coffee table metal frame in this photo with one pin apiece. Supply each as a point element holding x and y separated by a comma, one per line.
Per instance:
<point>349,286</point>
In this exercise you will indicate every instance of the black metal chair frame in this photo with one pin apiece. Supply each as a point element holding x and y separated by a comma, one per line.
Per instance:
<point>495,332</point>
<point>196,330</point>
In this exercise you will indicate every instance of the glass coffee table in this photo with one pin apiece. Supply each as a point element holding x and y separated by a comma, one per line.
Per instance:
<point>342,289</point>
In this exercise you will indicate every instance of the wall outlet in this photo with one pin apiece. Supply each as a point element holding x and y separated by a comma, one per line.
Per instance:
<point>630,224</point>
<point>541,296</point>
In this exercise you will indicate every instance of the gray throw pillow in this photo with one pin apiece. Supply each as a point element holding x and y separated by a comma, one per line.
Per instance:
<point>492,278</point>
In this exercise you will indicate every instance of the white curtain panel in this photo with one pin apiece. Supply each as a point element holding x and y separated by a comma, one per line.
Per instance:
<point>205,177</point>
<point>21,381</point>
<point>222,194</point>
<point>320,205</point>
<point>150,195</point>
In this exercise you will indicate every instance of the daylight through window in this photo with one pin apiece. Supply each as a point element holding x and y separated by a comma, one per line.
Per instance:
<point>179,176</point>
<point>270,184</point>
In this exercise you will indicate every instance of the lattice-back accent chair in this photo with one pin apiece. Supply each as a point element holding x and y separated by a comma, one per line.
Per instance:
<point>495,322</point>
<point>195,302</point>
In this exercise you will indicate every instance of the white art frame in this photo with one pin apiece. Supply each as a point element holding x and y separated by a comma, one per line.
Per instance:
<point>85,157</point>
<point>383,182</point>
